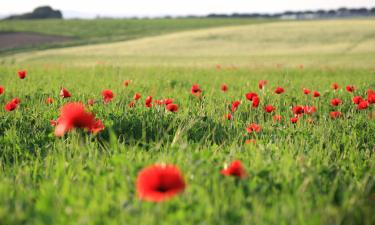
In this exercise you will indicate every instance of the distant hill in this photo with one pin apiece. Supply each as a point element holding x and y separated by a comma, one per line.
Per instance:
<point>43,12</point>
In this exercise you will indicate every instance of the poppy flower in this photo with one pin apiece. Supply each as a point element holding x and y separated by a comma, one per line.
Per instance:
<point>158,102</point>
<point>131,104</point>
<point>250,96</point>
<point>228,116</point>
<point>127,82</point>
<point>158,183</point>
<point>96,127</point>
<point>137,96</point>
<point>261,84</point>
<point>16,101</point>
<point>235,105</point>
<point>306,91</point>
<point>309,109</point>
<point>218,66</point>
<point>371,96</point>
<point>148,101</point>
<point>74,115</point>
<point>65,93</point>
<point>277,118</point>
<point>168,101</point>
<point>336,102</point>
<point>90,102</point>
<point>335,86</point>
<point>49,100</point>
<point>316,94</point>
<point>335,114</point>
<point>2,89</point>
<point>253,128</point>
<point>294,119</point>
<point>350,88</point>
<point>297,110</point>
<point>107,95</point>
<point>195,90</point>
<point>224,87</point>
<point>172,107</point>
<point>279,90</point>
<point>250,141</point>
<point>256,101</point>
<point>357,99</point>
<point>10,106</point>
<point>22,74</point>
<point>269,108</point>
<point>234,169</point>
<point>362,105</point>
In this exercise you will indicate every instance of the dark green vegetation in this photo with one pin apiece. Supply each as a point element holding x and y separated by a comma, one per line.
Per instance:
<point>110,30</point>
<point>308,173</point>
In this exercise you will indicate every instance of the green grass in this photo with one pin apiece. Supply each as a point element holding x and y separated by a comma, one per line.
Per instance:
<point>110,30</point>
<point>304,173</point>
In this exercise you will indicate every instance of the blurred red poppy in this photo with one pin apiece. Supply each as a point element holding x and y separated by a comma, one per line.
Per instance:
<point>277,118</point>
<point>261,84</point>
<point>371,96</point>
<point>306,91</point>
<point>336,102</point>
<point>148,101</point>
<point>309,109</point>
<point>228,116</point>
<point>49,100</point>
<point>16,101</point>
<point>107,95</point>
<point>172,107</point>
<point>127,82</point>
<point>316,94</point>
<point>357,99</point>
<point>158,183</point>
<point>269,108</point>
<point>96,127</point>
<point>234,169</point>
<point>2,89</point>
<point>224,87</point>
<point>10,106</point>
<point>297,110</point>
<point>90,102</point>
<point>168,101</point>
<point>335,86</point>
<point>362,105</point>
<point>250,96</point>
<point>253,128</point>
<point>64,93</point>
<point>294,119</point>
<point>137,96</point>
<point>335,114</point>
<point>279,90</point>
<point>235,105</point>
<point>350,88</point>
<point>256,101</point>
<point>22,74</point>
<point>250,141</point>
<point>131,104</point>
<point>195,90</point>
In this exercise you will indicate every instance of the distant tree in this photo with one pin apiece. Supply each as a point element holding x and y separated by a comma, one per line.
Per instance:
<point>43,12</point>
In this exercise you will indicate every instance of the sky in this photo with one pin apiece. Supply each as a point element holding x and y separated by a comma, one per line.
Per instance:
<point>154,8</point>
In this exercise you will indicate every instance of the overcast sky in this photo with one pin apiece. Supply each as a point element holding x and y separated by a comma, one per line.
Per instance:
<point>127,8</point>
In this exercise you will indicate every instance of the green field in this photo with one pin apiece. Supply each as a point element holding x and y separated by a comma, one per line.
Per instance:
<point>317,171</point>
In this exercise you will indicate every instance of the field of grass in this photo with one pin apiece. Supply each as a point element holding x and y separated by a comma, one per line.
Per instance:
<point>317,171</point>
<point>110,30</point>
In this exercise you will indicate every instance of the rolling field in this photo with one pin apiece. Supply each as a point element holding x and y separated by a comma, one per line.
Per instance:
<point>315,170</point>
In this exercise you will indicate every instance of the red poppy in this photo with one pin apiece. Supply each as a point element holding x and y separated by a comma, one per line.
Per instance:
<point>127,82</point>
<point>228,116</point>
<point>137,96</point>
<point>277,118</point>
<point>357,99</point>
<point>74,115</point>
<point>253,128</point>
<point>22,74</point>
<point>96,127</point>
<point>250,141</point>
<point>336,102</point>
<point>158,102</point>
<point>168,101</point>
<point>256,101</point>
<point>335,86</point>
<point>316,94</point>
<point>279,90</point>
<point>269,108</point>
<point>49,100</point>
<point>172,107</point>
<point>224,87</point>
<point>218,66</point>
<point>350,88</point>
<point>235,105</point>
<point>250,96</point>
<point>10,106</point>
<point>2,89</point>
<point>16,101</point>
<point>158,183</point>
<point>306,91</point>
<point>309,109</point>
<point>107,95</point>
<point>131,104</point>
<point>261,84</point>
<point>90,102</point>
<point>65,93</point>
<point>294,119</point>
<point>371,96</point>
<point>195,90</point>
<point>335,114</point>
<point>148,101</point>
<point>234,169</point>
<point>362,105</point>
<point>297,110</point>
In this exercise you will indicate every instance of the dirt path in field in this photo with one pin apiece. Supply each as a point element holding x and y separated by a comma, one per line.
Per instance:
<point>13,40</point>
